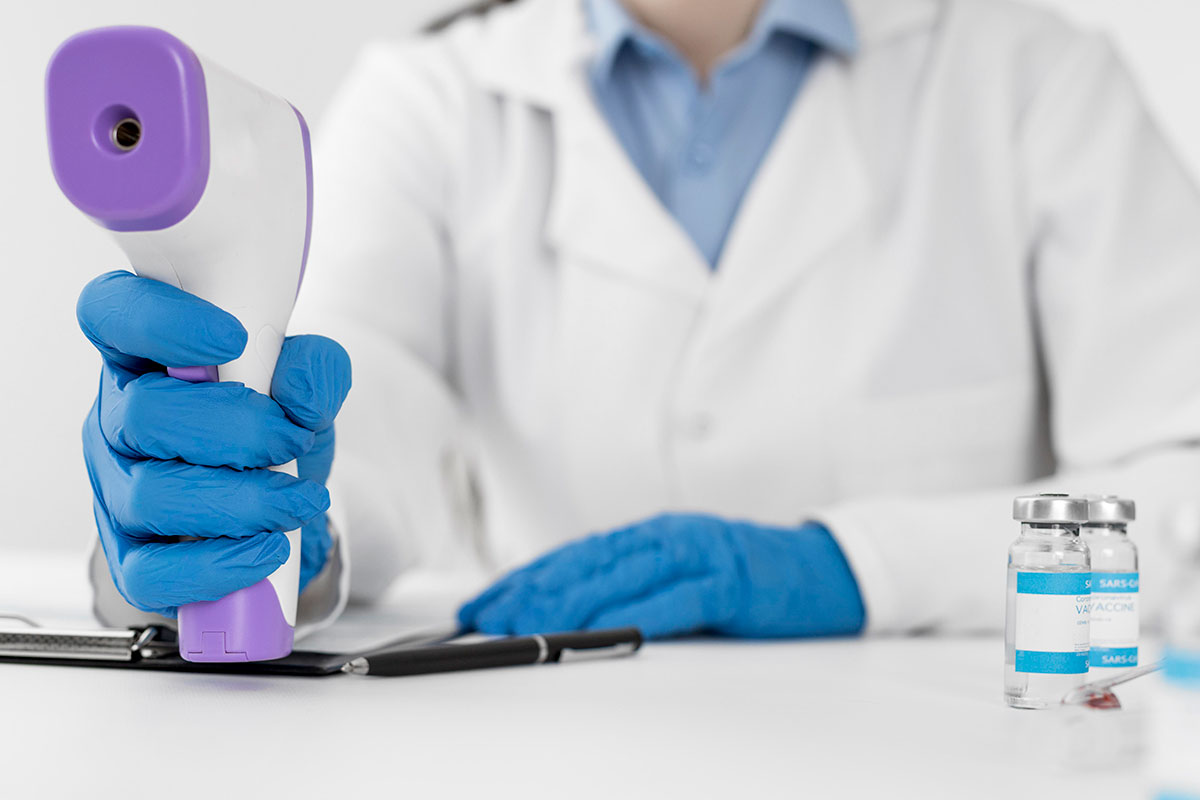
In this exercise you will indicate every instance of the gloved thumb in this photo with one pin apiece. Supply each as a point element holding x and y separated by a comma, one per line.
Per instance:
<point>312,379</point>
<point>133,320</point>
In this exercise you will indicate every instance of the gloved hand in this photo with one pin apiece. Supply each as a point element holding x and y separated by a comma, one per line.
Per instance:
<point>168,458</point>
<point>678,573</point>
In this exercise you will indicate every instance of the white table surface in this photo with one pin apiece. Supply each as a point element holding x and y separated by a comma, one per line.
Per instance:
<point>883,717</point>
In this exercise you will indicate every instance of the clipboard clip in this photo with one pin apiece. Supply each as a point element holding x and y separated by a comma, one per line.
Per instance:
<point>103,644</point>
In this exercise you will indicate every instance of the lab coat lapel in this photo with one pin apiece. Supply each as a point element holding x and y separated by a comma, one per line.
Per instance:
<point>603,215</point>
<point>808,193</point>
<point>807,196</point>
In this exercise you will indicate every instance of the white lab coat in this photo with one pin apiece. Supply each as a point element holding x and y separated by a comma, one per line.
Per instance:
<point>969,268</point>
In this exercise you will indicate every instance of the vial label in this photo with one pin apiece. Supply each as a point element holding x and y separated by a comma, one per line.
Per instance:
<point>1052,615</point>
<point>1114,619</point>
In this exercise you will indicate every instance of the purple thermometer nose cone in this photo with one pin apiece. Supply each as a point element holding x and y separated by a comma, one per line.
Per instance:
<point>247,625</point>
<point>127,118</point>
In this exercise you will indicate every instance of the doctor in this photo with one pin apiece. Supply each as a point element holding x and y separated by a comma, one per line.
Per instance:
<point>750,317</point>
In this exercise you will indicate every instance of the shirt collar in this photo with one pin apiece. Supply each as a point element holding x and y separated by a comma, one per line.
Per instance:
<point>826,23</point>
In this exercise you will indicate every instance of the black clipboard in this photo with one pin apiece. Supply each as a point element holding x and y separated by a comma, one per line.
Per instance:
<point>156,649</point>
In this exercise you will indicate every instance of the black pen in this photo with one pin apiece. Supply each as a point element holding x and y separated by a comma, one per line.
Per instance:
<point>510,652</point>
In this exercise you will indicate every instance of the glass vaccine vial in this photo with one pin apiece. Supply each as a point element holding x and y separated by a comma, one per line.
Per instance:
<point>1047,627</point>
<point>1114,584</point>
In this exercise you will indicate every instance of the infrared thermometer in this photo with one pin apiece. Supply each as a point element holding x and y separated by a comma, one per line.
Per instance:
<point>205,181</point>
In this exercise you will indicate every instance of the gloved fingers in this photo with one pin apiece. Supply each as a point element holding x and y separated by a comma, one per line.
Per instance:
<point>500,616</point>
<point>683,607</point>
<point>627,555</point>
<point>159,576</point>
<point>691,541</point>
<point>567,607</point>
<point>315,544</point>
<point>312,378</point>
<point>470,613</point>
<point>470,610</point>
<point>208,424</point>
<point>567,563</point>
<point>541,605</point>
<point>172,498</point>
<point>520,577</point>
<point>134,321</point>
<point>316,462</point>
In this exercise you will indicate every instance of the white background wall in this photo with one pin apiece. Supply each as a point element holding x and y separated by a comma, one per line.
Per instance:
<point>298,49</point>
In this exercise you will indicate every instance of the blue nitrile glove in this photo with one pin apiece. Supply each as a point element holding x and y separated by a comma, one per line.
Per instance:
<point>679,573</point>
<point>169,458</point>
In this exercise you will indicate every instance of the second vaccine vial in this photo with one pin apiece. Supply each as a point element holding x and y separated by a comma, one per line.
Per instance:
<point>1114,584</point>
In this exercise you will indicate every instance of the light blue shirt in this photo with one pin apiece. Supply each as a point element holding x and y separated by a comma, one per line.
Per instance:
<point>697,146</point>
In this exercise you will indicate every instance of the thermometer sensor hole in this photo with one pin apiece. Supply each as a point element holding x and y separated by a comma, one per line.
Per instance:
<point>126,134</point>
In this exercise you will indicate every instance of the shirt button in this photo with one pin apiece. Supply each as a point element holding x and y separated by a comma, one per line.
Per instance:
<point>701,154</point>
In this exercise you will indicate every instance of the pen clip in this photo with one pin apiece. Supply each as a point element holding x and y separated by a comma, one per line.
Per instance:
<point>589,653</point>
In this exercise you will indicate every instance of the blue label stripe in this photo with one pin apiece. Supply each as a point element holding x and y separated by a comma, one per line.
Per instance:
<point>1056,663</point>
<point>1114,656</point>
<point>1054,582</point>
<point>1115,582</point>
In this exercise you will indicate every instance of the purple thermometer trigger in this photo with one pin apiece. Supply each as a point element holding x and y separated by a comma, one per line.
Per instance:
<point>194,374</point>
<point>247,625</point>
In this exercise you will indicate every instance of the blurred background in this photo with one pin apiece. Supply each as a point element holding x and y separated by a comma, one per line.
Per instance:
<point>300,50</point>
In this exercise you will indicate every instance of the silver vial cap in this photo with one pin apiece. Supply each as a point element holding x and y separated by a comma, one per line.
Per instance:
<point>1111,509</point>
<point>1050,508</point>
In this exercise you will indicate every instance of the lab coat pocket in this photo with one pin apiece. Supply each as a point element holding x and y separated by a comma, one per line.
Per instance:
<point>952,440</point>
